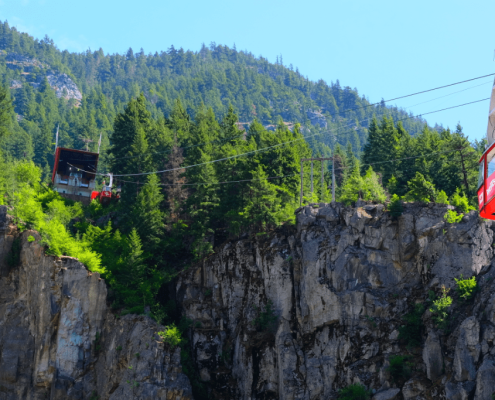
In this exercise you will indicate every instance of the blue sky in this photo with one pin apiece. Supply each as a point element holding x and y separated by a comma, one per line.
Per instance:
<point>384,48</point>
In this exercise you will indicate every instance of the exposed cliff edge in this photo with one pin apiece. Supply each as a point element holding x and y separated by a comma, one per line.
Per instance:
<point>58,339</point>
<point>340,285</point>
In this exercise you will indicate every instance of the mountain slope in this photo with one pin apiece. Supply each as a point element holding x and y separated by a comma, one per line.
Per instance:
<point>215,76</point>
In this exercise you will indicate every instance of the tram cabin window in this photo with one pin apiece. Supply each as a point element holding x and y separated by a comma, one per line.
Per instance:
<point>481,174</point>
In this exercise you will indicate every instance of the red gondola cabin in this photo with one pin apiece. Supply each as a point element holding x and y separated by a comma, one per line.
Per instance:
<point>486,177</point>
<point>71,176</point>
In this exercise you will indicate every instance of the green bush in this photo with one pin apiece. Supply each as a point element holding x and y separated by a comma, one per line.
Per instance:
<point>420,189</point>
<point>452,217</point>
<point>45,211</point>
<point>400,368</point>
<point>466,287</point>
<point>440,308</point>
<point>442,198</point>
<point>355,391</point>
<point>395,207</point>
<point>461,202</point>
<point>412,331</point>
<point>31,238</point>
<point>171,335</point>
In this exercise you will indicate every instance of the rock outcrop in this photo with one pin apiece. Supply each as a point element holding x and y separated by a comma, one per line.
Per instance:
<point>58,339</point>
<point>298,313</point>
<point>62,84</point>
<point>339,285</point>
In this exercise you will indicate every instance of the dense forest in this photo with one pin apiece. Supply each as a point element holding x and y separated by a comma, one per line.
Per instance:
<point>215,77</point>
<point>207,147</point>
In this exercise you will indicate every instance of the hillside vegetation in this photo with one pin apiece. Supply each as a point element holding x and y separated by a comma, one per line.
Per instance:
<point>216,76</point>
<point>180,112</point>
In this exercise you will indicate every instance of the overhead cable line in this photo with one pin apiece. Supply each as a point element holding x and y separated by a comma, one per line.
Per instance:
<point>297,173</point>
<point>447,95</point>
<point>414,94</point>
<point>265,148</point>
<point>343,111</point>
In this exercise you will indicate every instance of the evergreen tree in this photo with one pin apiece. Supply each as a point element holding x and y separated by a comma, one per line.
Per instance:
<point>146,215</point>
<point>263,207</point>
<point>420,189</point>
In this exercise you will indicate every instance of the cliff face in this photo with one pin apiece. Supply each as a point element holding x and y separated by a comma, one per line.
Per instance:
<point>296,314</point>
<point>58,339</point>
<point>340,286</point>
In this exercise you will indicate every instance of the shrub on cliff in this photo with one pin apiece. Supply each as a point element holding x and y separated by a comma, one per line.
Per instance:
<point>171,335</point>
<point>440,308</point>
<point>442,198</point>
<point>461,202</point>
<point>411,332</point>
<point>452,217</point>
<point>466,288</point>
<point>355,391</point>
<point>37,207</point>
<point>400,368</point>
<point>266,318</point>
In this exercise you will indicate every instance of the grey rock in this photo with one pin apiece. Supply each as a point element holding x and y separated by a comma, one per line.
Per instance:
<point>389,394</point>
<point>58,339</point>
<point>354,273</point>
<point>339,283</point>
<point>459,390</point>
<point>64,86</point>
<point>317,118</point>
<point>413,388</point>
<point>432,356</point>
<point>467,350</point>
<point>485,380</point>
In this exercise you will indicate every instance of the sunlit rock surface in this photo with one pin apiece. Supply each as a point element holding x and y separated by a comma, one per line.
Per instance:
<point>340,283</point>
<point>58,339</point>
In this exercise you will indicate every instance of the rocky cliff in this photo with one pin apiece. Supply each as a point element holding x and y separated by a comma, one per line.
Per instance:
<point>304,312</point>
<point>300,313</point>
<point>58,339</point>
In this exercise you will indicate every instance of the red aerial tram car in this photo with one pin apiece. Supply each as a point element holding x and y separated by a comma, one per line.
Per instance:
<point>486,177</point>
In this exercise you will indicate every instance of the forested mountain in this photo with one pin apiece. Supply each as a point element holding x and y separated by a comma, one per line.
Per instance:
<point>207,147</point>
<point>82,93</point>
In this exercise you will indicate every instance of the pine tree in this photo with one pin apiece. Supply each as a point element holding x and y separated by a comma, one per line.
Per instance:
<point>174,180</point>
<point>420,189</point>
<point>146,215</point>
<point>180,123</point>
<point>129,152</point>
<point>203,199</point>
<point>263,205</point>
